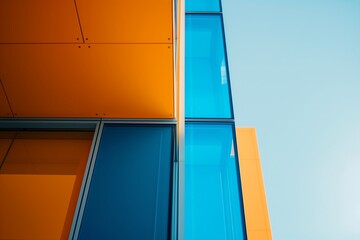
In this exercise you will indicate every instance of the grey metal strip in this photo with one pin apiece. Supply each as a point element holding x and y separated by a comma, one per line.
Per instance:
<point>140,121</point>
<point>47,124</point>
<point>78,205</point>
<point>86,182</point>
<point>174,219</point>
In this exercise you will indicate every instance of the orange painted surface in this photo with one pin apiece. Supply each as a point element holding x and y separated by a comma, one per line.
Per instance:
<point>39,21</point>
<point>5,142</point>
<point>105,80</point>
<point>256,213</point>
<point>5,110</point>
<point>39,184</point>
<point>135,21</point>
<point>34,206</point>
<point>4,147</point>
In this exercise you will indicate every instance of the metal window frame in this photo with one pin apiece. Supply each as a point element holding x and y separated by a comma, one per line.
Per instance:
<point>97,126</point>
<point>75,230</point>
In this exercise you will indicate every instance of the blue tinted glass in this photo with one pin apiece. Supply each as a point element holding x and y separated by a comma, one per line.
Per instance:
<point>206,81</point>
<point>202,5</point>
<point>213,208</point>
<point>129,196</point>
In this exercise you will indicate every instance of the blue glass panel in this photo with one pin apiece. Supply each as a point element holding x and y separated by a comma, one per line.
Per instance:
<point>130,191</point>
<point>202,5</point>
<point>213,208</point>
<point>206,80</point>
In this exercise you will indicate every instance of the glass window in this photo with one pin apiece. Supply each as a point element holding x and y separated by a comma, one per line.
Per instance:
<point>207,83</point>
<point>130,190</point>
<point>212,194</point>
<point>202,5</point>
<point>40,179</point>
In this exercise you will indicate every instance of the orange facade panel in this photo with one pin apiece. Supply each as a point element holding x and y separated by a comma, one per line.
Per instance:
<point>136,21</point>
<point>47,199</point>
<point>5,143</point>
<point>40,180</point>
<point>5,110</point>
<point>102,80</point>
<point>256,213</point>
<point>39,21</point>
<point>34,153</point>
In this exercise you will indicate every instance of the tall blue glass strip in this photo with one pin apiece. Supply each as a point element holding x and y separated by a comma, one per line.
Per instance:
<point>213,197</point>
<point>207,92</point>
<point>130,191</point>
<point>202,6</point>
<point>213,204</point>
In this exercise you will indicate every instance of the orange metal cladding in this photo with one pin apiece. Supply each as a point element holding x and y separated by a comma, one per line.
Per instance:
<point>39,183</point>
<point>39,21</point>
<point>102,80</point>
<point>128,73</point>
<point>256,213</point>
<point>135,21</point>
<point>5,142</point>
<point>5,110</point>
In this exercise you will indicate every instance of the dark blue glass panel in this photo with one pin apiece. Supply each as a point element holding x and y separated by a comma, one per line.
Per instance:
<point>130,191</point>
<point>206,81</point>
<point>202,5</point>
<point>213,205</point>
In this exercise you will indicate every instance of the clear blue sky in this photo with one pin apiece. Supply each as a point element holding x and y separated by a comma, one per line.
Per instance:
<point>295,73</point>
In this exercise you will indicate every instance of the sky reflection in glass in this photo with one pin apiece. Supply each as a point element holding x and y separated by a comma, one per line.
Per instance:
<point>207,83</point>
<point>202,6</point>
<point>212,199</point>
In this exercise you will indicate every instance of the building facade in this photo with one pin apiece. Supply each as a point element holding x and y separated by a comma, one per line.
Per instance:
<point>116,122</point>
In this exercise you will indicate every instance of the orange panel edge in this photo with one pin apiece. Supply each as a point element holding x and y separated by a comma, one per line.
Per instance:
<point>5,109</point>
<point>255,206</point>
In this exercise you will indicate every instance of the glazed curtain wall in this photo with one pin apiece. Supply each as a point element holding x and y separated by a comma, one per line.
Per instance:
<point>207,85</point>
<point>213,208</point>
<point>130,191</point>
<point>128,187</point>
<point>213,197</point>
<point>127,192</point>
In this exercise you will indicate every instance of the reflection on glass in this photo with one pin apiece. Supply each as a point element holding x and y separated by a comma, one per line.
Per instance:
<point>130,192</point>
<point>212,197</point>
<point>40,179</point>
<point>202,5</point>
<point>207,83</point>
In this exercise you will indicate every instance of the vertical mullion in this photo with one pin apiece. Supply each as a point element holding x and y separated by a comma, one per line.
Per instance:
<point>86,183</point>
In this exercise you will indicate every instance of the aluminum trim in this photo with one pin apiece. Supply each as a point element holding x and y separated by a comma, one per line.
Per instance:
<point>86,183</point>
<point>81,193</point>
